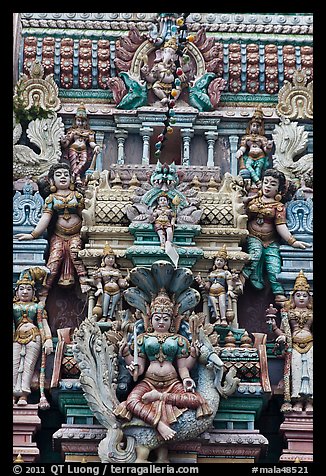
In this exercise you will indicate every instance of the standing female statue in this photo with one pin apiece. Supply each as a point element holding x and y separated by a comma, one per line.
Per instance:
<point>64,205</point>
<point>220,285</point>
<point>79,144</point>
<point>296,335</point>
<point>31,335</point>
<point>266,225</point>
<point>109,283</point>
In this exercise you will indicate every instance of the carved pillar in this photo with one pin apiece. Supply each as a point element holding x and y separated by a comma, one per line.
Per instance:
<point>16,44</point>
<point>146,133</point>
<point>91,302</point>
<point>99,159</point>
<point>121,136</point>
<point>233,140</point>
<point>211,139</point>
<point>26,423</point>
<point>186,135</point>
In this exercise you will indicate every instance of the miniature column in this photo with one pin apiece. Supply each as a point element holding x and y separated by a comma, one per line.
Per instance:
<point>233,140</point>
<point>99,158</point>
<point>211,139</point>
<point>121,136</point>
<point>146,133</point>
<point>186,135</point>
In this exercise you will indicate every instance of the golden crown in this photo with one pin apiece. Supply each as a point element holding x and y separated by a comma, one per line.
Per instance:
<point>301,283</point>
<point>107,250</point>
<point>258,115</point>
<point>222,253</point>
<point>162,303</point>
<point>25,278</point>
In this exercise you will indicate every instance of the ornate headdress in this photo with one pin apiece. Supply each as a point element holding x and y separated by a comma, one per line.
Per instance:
<point>222,253</point>
<point>25,277</point>
<point>171,43</point>
<point>258,117</point>
<point>107,250</point>
<point>81,111</point>
<point>162,303</point>
<point>301,283</point>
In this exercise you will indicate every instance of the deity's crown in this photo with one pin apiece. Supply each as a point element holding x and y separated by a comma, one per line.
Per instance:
<point>25,278</point>
<point>222,253</point>
<point>258,115</point>
<point>301,283</point>
<point>162,303</point>
<point>107,250</point>
<point>81,111</point>
<point>171,43</point>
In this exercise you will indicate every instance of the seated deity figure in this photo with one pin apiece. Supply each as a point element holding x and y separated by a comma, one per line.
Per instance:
<point>79,145</point>
<point>63,207</point>
<point>267,224</point>
<point>166,358</point>
<point>295,335</point>
<point>110,284</point>
<point>254,149</point>
<point>162,74</point>
<point>31,338</point>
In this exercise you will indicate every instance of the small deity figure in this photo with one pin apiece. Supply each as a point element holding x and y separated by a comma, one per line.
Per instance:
<point>162,75</point>
<point>109,282</point>
<point>64,205</point>
<point>295,334</point>
<point>254,149</point>
<point>219,286</point>
<point>31,337</point>
<point>266,225</point>
<point>305,191</point>
<point>166,357</point>
<point>79,145</point>
<point>164,220</point>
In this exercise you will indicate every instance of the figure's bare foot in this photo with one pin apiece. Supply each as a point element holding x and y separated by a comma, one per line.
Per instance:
<point>224,323</point>
<point>43,403</point>
<point>151,396</point>
<point>286,407</point>
<point>297,407</point>
<point>22,401</point>
<point>165,431</point>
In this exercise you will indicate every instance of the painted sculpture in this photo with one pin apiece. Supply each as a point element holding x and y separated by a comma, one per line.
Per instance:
<point>110,284</point>
<point>166,404</point>
<point>31,337</point>
<point>266,226</point>
<point>295,336</point>
<point>254,150</point>
<point>220,287</point>
<point>164,220</point>
<point>79,145</point>
<point>64,205</point>
<point>163,72</point>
